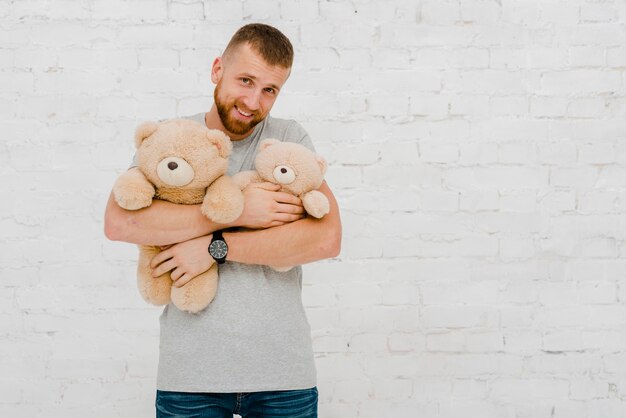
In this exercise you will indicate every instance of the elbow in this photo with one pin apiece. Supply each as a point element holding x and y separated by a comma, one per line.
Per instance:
<point>112,230</point>
<point>333,247</point>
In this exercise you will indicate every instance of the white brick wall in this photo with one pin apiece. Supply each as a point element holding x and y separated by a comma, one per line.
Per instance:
<point>476,149</point>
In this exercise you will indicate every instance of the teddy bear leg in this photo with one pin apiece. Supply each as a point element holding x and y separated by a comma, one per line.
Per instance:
<point>315,203</point>
<point>154,290</point>
<point>197,293</point>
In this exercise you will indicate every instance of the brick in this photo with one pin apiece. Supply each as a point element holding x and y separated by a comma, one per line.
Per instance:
<point>493,82</point>
<point>497,178</point>
<point>412,35</point>
<point>481,12</point>
<point>591,107</point>
<point>446,342</point>
<point>457,317</point>
<point>396,389</point>
<point>469,389</point>
<point>437,151</point>
<point>560,13</point>
<point>616,56</point>
<point>587,56</point>
<point>596,153</point>
<point>597,12</point>
<point>300,10</point>
<point>319,295</point>
<point>474,106</point>
<point>518,389</point>
<point>509,106</point>
<point>458,293</point>
<point>474,201</point>
<point>368,343</point>
<point>437,12</point>
<point>135,11</point>
<point>223,11</point>
<point>183,12</point>
<point>484,342</point>
<point>548,106</point>
<point>579,81</point>
<point>405,342</point>
<point>523,342</point>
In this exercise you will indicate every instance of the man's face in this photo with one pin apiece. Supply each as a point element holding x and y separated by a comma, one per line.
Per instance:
<point>246,88</point>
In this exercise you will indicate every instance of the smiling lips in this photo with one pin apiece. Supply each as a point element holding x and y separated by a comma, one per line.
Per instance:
<point>242,113</point>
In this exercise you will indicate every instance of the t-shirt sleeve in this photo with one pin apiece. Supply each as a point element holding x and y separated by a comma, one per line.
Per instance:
<point>296,133</point>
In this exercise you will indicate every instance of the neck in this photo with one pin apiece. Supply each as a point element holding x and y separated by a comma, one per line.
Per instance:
<point>212,121</point>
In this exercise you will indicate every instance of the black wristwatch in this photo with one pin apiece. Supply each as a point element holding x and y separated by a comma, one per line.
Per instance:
<point>218,247</point>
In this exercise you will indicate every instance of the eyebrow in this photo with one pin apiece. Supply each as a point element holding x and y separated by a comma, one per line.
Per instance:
<point>251,77</point>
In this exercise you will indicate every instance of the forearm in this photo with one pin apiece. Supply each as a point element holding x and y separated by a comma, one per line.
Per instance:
<point>162,223</point>
<point>295,243</point>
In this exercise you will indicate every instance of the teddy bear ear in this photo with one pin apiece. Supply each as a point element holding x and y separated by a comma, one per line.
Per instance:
<point>321,161</point>
<point>266,143</point>
<point>221,141</point>
<point>143,131</point>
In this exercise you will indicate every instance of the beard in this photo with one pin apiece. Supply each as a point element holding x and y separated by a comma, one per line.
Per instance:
<point>232,124</point>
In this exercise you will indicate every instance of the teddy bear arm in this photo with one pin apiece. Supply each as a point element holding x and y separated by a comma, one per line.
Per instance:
<point>223,202</point>
<point>132,190</point>
<point>244,178</point>
<point>315,203</point>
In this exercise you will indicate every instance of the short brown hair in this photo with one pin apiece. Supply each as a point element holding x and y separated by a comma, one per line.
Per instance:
<point>274,47</point>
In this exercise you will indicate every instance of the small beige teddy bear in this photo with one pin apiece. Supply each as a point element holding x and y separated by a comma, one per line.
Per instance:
<point>296,169</point>
<point>181,161</point>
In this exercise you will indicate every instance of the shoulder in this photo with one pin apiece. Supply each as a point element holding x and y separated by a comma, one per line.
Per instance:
<point>198,117</point>
<point>287,130</point>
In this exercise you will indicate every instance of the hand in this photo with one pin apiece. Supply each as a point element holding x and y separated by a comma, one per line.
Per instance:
<point>185,260</point>
<point>265,207</point>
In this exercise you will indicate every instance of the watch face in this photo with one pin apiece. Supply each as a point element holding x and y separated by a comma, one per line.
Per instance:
<point>218,249</point>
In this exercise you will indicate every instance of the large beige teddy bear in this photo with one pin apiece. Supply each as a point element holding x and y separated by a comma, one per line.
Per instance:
<point>183,162</point>
<point>296,169</point>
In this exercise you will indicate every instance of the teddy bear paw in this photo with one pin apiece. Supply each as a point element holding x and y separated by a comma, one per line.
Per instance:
<point>316,204</point>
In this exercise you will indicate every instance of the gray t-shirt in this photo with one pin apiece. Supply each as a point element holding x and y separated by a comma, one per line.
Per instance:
<point>254,336</point>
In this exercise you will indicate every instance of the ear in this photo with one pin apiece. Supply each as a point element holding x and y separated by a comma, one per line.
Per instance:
<point>216,70</point>
<point>221,141</point>
<point>321,161</point>
<point>266,143</point>
<point>143,131</point>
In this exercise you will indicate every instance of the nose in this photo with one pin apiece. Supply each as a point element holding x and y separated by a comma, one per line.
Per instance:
<point>253,100</point>
<point>172,165</point>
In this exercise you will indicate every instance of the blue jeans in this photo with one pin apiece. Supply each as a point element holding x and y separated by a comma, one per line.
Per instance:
<point>287,403</point>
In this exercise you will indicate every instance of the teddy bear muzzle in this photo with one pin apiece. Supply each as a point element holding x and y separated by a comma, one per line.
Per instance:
<point>175,171</point>
<point>284,174</point>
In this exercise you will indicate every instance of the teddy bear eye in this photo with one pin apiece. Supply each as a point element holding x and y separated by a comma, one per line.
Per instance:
<point>284,174</point>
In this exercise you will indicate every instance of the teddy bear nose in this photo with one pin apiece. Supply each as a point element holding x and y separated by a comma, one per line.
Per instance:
<point>283,170</point>
<point>172,165</point>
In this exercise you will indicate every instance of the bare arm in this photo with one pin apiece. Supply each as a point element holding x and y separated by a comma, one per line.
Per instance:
<point>161,223</point>
<point>165,223</point>
<point>295,243</point>
<point>299,242</point>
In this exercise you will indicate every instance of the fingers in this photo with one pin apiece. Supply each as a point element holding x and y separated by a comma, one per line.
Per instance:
<point>182,280</point>
<point>163,268</point>
<point>266,186</point>
<point>176,274</point>
<point>282,197</point>
<point>289,208</point>
<point>159,258</point>
<point>288,217</point>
